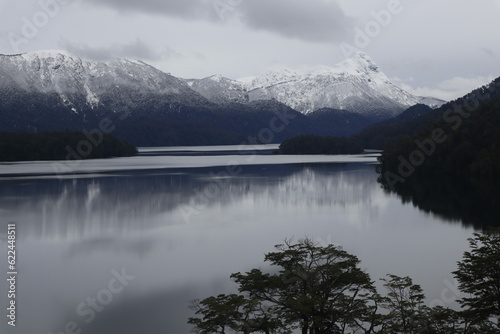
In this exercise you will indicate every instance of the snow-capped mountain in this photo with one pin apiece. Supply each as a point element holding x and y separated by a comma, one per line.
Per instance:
<point>356,84</point>
<point>219,89</point>
<point>55,90</point>
<point>432,102</point>
<point>81,84</point>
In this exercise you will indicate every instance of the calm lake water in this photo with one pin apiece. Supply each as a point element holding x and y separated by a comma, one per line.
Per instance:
<point>125,247</point>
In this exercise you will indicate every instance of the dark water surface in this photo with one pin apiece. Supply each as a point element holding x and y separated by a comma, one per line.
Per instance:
<point>125,252</point>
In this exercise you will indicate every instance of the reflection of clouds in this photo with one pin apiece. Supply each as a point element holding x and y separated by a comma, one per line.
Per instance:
<point>140,201</point>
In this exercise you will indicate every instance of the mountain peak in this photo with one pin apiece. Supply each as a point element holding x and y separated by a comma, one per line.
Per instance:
<point>47,54</point>
<point>219,89</point>
<point>216,77</point>
<point>356,84</point>
<point>362,56</point>
<point>360,63</point>
<point>61,56</point>
<point>85,83</point>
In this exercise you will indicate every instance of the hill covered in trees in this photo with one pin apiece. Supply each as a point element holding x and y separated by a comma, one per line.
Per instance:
<point>311,144</point>
<point>455,158</point>
<point>389,132</point>
<point>22,146</point>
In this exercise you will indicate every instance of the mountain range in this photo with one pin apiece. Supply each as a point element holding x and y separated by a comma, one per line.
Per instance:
<point>356,84</point>
<point>55,90</point>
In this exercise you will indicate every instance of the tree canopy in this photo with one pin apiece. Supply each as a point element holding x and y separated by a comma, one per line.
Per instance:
<point>478,275</point>
<point>315,289</point>
<point>318,290</point>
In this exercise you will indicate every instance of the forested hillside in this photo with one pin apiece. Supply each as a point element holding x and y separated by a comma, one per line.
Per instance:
<point>21,146</point>
<point>456,158</point>
<point>311,144</point>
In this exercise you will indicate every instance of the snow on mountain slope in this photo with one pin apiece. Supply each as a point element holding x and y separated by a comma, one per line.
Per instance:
<point>356,84</point>
<point>118,81</point>
<point>432,102</point>
<point>219,89</point>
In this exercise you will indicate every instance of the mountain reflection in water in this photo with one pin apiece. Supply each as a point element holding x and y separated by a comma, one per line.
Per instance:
<point>181,232</point>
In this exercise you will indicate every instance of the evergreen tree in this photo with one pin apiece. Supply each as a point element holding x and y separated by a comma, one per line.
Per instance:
<point>478,275</point>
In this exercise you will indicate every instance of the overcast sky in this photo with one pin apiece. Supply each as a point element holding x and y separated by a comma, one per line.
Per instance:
<point>441,48</point>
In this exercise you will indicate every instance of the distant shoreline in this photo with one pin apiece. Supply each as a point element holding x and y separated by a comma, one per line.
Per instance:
<point>174,162</point>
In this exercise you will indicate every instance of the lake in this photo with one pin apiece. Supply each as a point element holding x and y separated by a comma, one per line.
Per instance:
<point>123,245</point>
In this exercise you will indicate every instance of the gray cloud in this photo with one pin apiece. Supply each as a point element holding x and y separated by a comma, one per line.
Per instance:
<point>312,20</point>
<point>134,50</point>
<point>490,52</point>
<point>317,21</point>
<point>186,9</point>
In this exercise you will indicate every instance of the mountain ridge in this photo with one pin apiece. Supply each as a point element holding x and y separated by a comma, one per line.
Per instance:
<point>53,90</point>
<point>389,132</point>
<point>357,84</point>
<point>74,78</point>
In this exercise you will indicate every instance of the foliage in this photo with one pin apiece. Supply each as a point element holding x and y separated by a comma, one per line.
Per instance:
<point>237,313</point>
<point>339,123</point>
<point>22,146</point>
<point>479,276</point>
<point>388,132</point>
<point>405,302</point>
<point>316,289</point>
<point>311,144</point>
<point>320,290</point>
<point>460,165</point>
<point>470,148</point>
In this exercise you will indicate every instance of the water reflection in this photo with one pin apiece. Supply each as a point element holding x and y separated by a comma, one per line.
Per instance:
<point>74,232</point>
<point>123,203</point>
<point>453,200</point>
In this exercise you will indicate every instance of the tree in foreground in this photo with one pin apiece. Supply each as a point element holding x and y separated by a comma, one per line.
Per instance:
<point>405,303</point>
<point>320,290</point>
<point>314,289</point>
<point>478,275</point>
<point>236,313</point>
